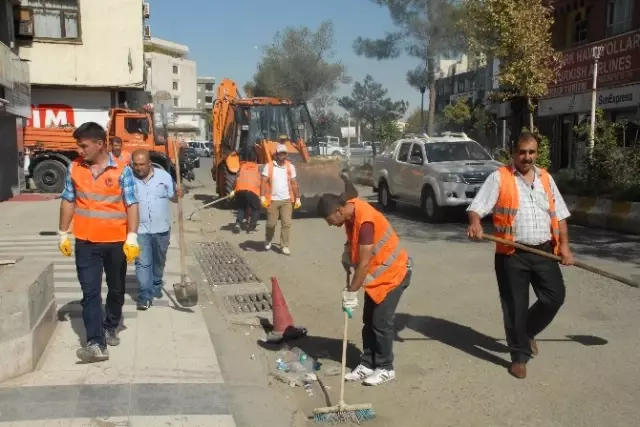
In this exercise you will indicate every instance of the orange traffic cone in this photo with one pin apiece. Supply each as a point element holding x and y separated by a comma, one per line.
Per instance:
<point>283,327</point>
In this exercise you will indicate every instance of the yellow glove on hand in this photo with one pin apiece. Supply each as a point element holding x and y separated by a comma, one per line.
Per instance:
<point>65,244</point>
<point>131,249</point>
<point>264,202</point>
<point>232,194</point>
<point>297,204</point>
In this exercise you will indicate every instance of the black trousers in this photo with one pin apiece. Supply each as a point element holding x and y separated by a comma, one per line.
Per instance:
<point>91,260</point>
<point>514,273</point>
<point>245,201</point>
<point>378,329</point>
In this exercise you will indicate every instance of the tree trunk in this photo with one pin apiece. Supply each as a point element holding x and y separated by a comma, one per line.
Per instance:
<point>530,107</point>
<point>432,96</point>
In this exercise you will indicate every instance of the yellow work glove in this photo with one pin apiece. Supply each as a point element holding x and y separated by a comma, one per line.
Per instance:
<point>265,203</point>
<point>297,204</point>
<point>131,249</point>
<point>232,194</point>
<point>65,244</point>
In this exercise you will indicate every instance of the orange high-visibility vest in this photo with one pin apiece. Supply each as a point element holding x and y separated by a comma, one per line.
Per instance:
<point>289,167</point>
<point>100,215</point>
<point>248,178</point>
<point>388,267</point>
<point>504,213</point>
<point>124,159</point>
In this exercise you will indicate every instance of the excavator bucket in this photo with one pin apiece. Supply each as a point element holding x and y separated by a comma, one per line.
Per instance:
<point>317,177</point>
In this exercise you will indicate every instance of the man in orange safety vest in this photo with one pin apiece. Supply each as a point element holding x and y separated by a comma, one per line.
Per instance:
<point>528,209</point>
<point>247,193</point>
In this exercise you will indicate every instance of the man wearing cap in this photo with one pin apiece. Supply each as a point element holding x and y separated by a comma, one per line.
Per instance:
<point>280,195</point>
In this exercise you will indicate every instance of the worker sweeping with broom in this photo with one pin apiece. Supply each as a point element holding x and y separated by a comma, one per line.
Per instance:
<point>383,269</point>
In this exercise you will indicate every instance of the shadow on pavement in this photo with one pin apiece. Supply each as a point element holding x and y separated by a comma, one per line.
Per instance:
<point>320,348</point>
<point>252,246</point>
<point>461,337</point>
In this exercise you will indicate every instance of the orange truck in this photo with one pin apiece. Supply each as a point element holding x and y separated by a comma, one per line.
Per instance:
<point>49,151</point>
<point>241,125</point>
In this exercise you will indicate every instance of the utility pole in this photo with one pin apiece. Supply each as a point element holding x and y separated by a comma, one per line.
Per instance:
<point>423,89</point>
<point>596,52</point>
<point>348,139</point>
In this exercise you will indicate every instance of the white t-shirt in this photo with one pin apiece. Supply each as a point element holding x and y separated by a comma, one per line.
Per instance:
<point>280,181</point>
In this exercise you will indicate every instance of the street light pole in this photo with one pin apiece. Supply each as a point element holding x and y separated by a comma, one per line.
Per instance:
<point>596,52</point>
<point>423,89</point>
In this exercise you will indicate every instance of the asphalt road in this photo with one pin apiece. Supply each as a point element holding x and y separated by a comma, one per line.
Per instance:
<point>450,355</point>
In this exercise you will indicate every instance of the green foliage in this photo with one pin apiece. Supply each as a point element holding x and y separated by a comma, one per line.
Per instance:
<point>298,64</point>
<point>414,121</point>
<point>387,131</point>
<point>518,33</point>
<point>427,31</point>
<point>457,115</point>
<point>369,103</point>
<point>610,170</point>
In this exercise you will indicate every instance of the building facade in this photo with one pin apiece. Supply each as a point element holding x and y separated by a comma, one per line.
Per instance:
<point>206,92</point>
<point>15,100</point>
<point>613,25</point>
<point>170,70</point>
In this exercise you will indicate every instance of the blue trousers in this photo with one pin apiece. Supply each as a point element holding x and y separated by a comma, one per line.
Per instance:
<point>91,259</point>
<point>150,264</point>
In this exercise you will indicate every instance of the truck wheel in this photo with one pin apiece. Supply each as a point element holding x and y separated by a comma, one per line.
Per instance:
<point>432,211</point>
<point>384,197</point>
<point>49,176</point>
<point>227,185</point>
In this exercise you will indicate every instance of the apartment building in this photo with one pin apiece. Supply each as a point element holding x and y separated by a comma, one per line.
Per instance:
<point>581,25</point>
<point>169,69</point>
<point>85,57</point>
<point>15,100</point>
<point>206,92</point>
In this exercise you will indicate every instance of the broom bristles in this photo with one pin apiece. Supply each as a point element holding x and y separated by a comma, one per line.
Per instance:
<point>355,416</point>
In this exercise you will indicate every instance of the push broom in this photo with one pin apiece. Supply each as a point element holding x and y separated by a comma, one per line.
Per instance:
<point>342,413</point>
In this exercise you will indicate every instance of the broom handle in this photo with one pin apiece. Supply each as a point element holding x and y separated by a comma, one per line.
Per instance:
<point>578,264</point>
<point>344,347</point>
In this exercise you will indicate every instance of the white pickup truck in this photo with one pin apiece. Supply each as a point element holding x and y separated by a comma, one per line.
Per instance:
<point>432,172</point>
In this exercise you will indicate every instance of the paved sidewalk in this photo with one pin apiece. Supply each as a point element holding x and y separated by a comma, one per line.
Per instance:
<point>164,373</point>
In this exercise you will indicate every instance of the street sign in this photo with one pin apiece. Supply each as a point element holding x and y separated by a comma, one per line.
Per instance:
<point>161,95</point>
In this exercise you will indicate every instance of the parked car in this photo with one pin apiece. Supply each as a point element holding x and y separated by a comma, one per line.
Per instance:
<point>329,149</point>
<point>433,173</point>
<point>203,148</point>
<point>192,155</point>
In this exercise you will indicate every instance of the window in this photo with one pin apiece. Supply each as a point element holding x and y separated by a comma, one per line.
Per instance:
<point>56,19</point>
<point>208,87</point>
<point>577,27</point>
<point>619,16</point>
<point>416,151</point>
<point>403,152</point>
<point>175,85</point>
<point>136,125</point>
<point>175,69</point>
<point>208,99</point>
<point>176,102</point>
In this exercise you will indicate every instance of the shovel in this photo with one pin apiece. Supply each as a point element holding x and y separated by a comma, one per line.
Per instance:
<point>186,292</point>
<point>578,264</point>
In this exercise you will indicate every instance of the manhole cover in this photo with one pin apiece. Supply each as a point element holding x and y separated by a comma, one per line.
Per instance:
<point>222,265</point>
<point>249,303</point>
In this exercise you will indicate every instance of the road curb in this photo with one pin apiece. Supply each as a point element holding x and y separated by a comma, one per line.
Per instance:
<point>604,213</point>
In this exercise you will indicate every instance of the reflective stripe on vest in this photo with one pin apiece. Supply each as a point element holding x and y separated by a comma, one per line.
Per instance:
<point>504,213</point>
<point>388,266</point>
<point>248,179</point>
<point>289,179</point>
<point>100,214</point>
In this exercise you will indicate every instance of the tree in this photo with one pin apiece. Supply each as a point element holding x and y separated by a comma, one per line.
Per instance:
<point>369,103</point>
<point>388,131</point>
<point>457,115</point>
<point>518,34</point>
<point>298,65</point>
<point>414,122</point>
<point>427,30</point>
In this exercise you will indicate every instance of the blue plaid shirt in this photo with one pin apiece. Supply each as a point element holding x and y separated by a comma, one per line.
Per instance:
<point>127,183</point>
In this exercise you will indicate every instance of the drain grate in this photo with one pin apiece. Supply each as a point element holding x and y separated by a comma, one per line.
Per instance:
<point>222,265</point>
<point>249,303</point>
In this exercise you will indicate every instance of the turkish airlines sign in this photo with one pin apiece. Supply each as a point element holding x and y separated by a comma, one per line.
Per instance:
<point>619,64</point>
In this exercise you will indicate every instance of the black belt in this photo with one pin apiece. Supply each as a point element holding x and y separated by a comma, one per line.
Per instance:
<point>546,246</point>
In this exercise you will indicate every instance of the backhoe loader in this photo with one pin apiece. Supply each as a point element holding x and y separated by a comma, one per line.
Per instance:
<point>244,124</point>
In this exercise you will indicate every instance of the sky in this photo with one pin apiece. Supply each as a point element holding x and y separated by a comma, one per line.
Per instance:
<point>222,36</point>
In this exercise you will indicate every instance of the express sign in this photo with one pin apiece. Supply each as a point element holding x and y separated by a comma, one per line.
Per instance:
<point>619,64</point>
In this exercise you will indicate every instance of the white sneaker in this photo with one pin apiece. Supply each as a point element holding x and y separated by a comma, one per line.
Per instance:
<point>267,246</point>
<point>359,373</point>
<point>380,376</point>
<point>286,251</point>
